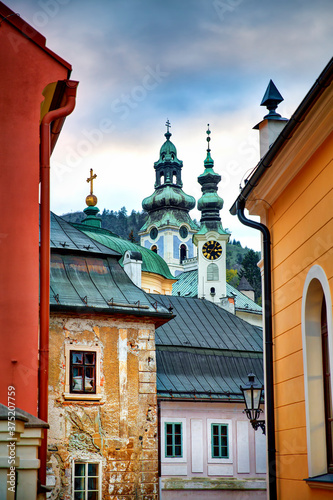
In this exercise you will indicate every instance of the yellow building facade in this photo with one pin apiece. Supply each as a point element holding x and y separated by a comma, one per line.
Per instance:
<point>292,192</point>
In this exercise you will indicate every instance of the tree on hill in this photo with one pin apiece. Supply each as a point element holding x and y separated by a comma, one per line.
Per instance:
<point>251,272</point>
<point>232,277</point>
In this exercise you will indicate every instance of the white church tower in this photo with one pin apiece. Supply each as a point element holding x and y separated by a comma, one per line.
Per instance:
<point>211,239</point>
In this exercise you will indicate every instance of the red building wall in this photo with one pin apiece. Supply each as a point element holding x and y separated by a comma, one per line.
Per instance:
<point>26,68</point>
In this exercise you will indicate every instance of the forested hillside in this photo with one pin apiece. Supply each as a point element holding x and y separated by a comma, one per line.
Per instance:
<point>240,261</point>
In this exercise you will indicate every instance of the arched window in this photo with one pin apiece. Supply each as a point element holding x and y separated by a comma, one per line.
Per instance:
<point>162,178</point>
<point>182,252</point>
<point>154,248</point>
<point>212,272</point>
<point>174,178</point>
<point>318,367</point>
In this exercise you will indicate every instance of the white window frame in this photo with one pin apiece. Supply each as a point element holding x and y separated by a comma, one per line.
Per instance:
<point>313,366</point>
<point>210,459</point>
<point>80,461</point>
<point>173,460</point>
<point>83,397</point>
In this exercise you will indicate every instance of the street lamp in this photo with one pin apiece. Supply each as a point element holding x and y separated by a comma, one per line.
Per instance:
<point>252,395</point>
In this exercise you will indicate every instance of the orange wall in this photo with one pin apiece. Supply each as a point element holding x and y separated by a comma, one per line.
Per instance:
<point>301,228</point>
<point>26,70</point>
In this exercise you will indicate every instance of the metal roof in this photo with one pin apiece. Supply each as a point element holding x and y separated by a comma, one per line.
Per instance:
<point>97,283</point>
<point>151,262</point>
<point>200,323</point>
<point>205,351</point>
<point>86,276</point>
<point>201,374</point>
<point>187,286</point>
<point>65,237</point>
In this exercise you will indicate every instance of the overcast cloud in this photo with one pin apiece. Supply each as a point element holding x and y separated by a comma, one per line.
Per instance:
<point>195,62</point>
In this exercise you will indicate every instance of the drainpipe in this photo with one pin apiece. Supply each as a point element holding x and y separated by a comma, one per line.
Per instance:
<point>45,152</point>
<point>269,388</point>
<point>159,440</point>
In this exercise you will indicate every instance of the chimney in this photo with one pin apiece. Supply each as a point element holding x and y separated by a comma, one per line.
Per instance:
<point>272,124</point>
<point>132,266</point>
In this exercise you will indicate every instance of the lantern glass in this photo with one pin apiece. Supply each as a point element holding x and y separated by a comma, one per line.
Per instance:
<point>252,395</point>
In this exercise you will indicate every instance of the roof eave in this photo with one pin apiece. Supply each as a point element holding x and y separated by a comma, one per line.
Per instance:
<point>31,33</point>
<point>159,317</point>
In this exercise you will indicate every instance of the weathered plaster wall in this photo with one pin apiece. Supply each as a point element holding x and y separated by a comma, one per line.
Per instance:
<point>120,429</point>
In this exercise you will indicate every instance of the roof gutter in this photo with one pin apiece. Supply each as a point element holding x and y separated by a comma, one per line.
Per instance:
<point>268,335</point>
<point>45,152</point>
<point>296,119</point>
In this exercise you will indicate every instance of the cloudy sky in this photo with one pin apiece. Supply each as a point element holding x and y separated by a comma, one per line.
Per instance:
<point>141,62</point>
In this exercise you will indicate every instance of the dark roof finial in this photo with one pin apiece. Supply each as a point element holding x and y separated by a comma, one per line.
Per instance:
<point>271,100</point>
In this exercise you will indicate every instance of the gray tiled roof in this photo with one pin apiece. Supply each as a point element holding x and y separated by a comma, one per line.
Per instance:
<point>205,351</point>
<point>65,236</point>
<point>200,323</point>
<point>204,373</point>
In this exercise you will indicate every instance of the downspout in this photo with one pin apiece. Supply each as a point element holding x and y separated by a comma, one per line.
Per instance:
<point>269,388</point>
<point>159,454</point>
<point>45,152</point>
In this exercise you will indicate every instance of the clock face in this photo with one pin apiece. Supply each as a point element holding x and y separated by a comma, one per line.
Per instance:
<point>212,250</point>
<point>153,233</point>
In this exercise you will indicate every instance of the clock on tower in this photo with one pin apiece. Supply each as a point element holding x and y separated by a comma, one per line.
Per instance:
<point>212,250</point>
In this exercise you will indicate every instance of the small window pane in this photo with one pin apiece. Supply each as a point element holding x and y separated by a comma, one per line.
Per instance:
<point>92,469</point>
<point>92,483</point>
<point>79,495</point>
<point>79,483</point>
<point>77,357</point>
<point>178,451</point>
<point>93,495</point>
<point>79,469</point>
<point>178,439</point>
<point>89,358</point>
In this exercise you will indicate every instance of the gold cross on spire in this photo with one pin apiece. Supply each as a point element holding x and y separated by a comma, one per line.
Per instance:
<point>90,179</point>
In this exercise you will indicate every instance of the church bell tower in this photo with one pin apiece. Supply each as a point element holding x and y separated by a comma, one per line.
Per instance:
<point>169,228</point>
<point>211,239</point>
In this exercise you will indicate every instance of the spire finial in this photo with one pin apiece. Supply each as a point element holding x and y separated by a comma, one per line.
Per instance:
<point>168,133</point>
<point>209,162</point>
<point>91,199</point>
<point>208,138</point>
